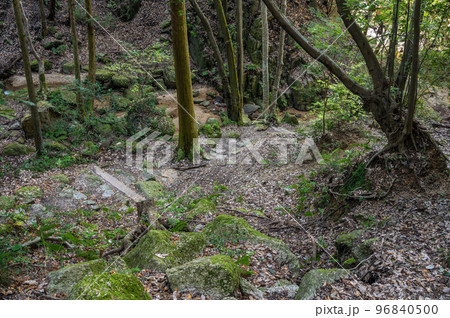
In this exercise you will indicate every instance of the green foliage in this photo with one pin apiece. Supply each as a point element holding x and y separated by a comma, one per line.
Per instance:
<point>60,50</point>
<point>46,162</point>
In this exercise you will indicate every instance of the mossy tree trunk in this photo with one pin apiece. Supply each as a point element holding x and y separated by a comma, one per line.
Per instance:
<point>265,58</point>
<point>76,58</point>
<point>188,126</point>
<point>280,63</point>
<point>43,19</point>
<point>91,49</point>
<point>235,111</point>
<point>41,65</point>
<point>29,78</point>
<point>240,43</point>
<point>216,50</point>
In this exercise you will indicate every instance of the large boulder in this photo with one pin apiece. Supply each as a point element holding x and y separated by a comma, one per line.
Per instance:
<point>203,207</point>
<point>169,77</point>
<point>290,119</point>
<point>314,279</point>
<point>16,149</point>
<point>30,193</point>
<point>121,81</point>
<point>64,279</point>
<point>216,276</point>
<point>104,76</point>
<point>158,250</point>
<point>47,115</point>
<point>68,68</point>
<point>250,290</point>
<point>109,286</point>
<point>229,228</point>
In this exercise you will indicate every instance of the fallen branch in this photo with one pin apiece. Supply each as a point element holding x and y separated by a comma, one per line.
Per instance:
<point>50,238</point>
<point>190,167</point>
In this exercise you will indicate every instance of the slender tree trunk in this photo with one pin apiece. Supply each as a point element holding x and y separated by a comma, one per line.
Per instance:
<point>76,58</point>
<point>280,64</point>
<point>41,65</point>
<point>91,49</point>
<point>412,90</point>
<point>265,58</point>
<point>235,111</point>
<point>186,115</point>
<point>393,43</point>
<point>43,19</point>
<point>52,9</point>
<point>240,43</point>
<point>217,54</point>
<point>29,78</point>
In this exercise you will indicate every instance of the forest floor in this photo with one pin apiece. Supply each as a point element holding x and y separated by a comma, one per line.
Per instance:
<point>411,222</point>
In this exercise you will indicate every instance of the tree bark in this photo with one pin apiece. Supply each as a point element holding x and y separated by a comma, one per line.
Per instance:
<point>235,111</point>
<point>41,65</point>
<point>393,43</point>
<point>265,58</point>
<point>91,49</point>
<point>76,58</point>
<point>52,9</point>
<point>240,43</point>
<point>280,64</point>
<point>186,115</point>
<point>217,54</point>
<point>43,19</point>
<point>29,78</point>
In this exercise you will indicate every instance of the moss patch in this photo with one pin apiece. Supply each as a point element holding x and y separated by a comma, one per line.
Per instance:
<point>16,149</point>
<point>61,178</point>
<point>158,252</point>
<point>314,279</point>
<point>217,276</point>
<point>204,206</point>
<point>229,228</point>
<point>30,192</point>
<point>7,202</point>
<point>151,189</point>
<point>109,287</point>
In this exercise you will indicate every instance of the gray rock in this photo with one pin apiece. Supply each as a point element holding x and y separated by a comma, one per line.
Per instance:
<point>250,290</point>
<point>217,276</point>
<point>15,126</point>
<point>79,196</point>
<point>314,279</point>
<point>108,194</point>
<point>66,193</point>
<point>205,103</point>
<point>40,211</point>
<point>251,108</point>
<point>288,291</point>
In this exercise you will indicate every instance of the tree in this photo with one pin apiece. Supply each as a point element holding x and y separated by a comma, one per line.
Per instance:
<point>43,20</point>
<point>217,54</point>
<point>41,64</point>
<point>76,58</point>
<point>265,58</point>
<point>91,49</point>
<point>52,10</point>
<point>379,99</point>
<point>280,64</point>
<point>235,111</point>
<point>240,43</point>
<point>29,78</point>
<point>186,115</point>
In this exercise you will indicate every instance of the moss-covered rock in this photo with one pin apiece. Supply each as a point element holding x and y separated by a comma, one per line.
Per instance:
<point>109,286</point>
<point>315,278</point>
<point>105,129</point>
<point>17,149</point>
<point>169,77</point>
<point>211,129</point>
<point>126,10</point>
<point>351,246</point>
<point>69,97</point>
<point>7,202</point>
<point>68,68</point>
<point>35,65</point>
<point>250,290</point>
<point>364,250</point>
<point>61,178</point>
<point>230,228</point>
<point>158,251</point>
<point>47,114</point>
<point>120,81</point>
<point>118,102</point>
<point>53,145</point>
<point>64,279</point>
<point>151,189</point>
<point>290,119</point>
<point>216,276</point>
<point>52,44</point>
<point>103,76</point>
<point>30,192</point>
<point>203,207</point>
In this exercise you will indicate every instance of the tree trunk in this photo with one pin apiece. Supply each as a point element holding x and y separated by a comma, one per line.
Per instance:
<point>280,63</point>
<point>29,78</point>
<point>235,111</point>
<point>265,58</point>
<point>52,9</point>
<point>41,65</point>
<point>240,43</point>
<point>186,115</point>
<point>91,49</point>
<point>43,19</point>
<point>217,54</point>
<point>76,58</point>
